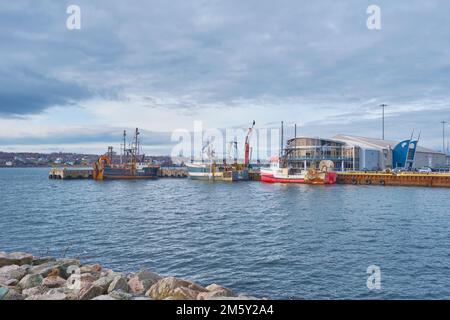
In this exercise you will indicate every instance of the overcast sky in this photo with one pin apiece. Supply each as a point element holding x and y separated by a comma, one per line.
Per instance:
<point>159,65</point>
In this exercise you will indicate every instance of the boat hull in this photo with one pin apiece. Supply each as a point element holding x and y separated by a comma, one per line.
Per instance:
<point>271,177</point>
<point>117,173</point>
<point>217,173</point>
<point>204,172</point>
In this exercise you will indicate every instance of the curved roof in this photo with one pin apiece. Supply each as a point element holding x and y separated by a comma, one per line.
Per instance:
<point>376,143</point>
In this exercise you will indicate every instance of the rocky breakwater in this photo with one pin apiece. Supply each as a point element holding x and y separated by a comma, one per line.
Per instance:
<point>26,277</point>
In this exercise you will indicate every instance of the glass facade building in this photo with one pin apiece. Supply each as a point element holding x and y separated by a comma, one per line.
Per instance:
<point>303,153</point>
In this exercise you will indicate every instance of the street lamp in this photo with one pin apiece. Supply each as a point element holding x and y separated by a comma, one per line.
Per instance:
<point>443,135</point>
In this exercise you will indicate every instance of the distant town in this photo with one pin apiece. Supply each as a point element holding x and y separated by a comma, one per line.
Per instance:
<point>32,159</point>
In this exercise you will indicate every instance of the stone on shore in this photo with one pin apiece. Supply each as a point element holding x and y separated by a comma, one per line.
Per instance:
<point>11,272</point>
<point>215,290</point>
<point>53,281</point>
<point>55,296</point>
<point>70,294</point>
<point>90,292</point>
<point>41,260</point>
<point>3,291</point>
<point>62,265</point>
<point>30,281</point>
<point>141,282</point>
<point>119,283</point>
<point>11,282</point>
<point>120,295</point>
<point>23,276</point>
<point>34,291</point>
<point>175,288</point>
<point>105,281</point>
<point>18,258</point>
<point>13,295</point>
<point>103,297</point>
<point>90,268</point>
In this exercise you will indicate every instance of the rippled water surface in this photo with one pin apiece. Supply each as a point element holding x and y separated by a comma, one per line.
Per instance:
<point>267,240</point>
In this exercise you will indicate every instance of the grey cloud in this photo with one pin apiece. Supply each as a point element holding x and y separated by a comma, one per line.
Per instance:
<point>26,92</point>
<point>222,52</point>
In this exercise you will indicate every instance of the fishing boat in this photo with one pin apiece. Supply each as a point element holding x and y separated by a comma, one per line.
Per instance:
<point>279,174</point>
<point>209,169</point>
<point>280,170</point>
<point>132,163</point>
<point>205,171</point>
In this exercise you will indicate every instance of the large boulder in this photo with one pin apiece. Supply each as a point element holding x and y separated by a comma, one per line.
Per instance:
<point>70,294</point>
<point>176,288</point>
<point>215,290</point>
<point>30,281</point>
<point>11,282</point>
<point>53,281</point>
<point>120,295</point>
<point>34,291</point>
<point>13,294</point>
<point>105,281</point>
<point>3,291</point>
<point>90,292</point>
<point>66,267</point>
<point>90,268</point>
<point>56,296</point>
<point>141,282</point>
<point>41,260</point>
<point>18,258</point>
<point>119,283</point>
<point>12,271</point>
<point>78,282</point>
<point>44,269</point>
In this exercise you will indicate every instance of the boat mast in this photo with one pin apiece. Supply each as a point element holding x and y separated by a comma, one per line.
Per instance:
<point>122,156</point>
<point>136,149</point>
<point>281,160</point>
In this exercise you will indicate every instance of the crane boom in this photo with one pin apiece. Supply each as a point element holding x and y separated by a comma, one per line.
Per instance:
<point>247,145</point>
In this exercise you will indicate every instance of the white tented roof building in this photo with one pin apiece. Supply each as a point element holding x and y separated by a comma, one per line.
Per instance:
<point>377,153</point>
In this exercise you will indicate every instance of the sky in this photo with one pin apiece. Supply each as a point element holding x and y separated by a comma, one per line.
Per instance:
<point>161,65</point>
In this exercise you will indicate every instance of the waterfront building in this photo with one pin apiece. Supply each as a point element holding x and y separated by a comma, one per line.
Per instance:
<point>352,153</point>
<point>303,152</point>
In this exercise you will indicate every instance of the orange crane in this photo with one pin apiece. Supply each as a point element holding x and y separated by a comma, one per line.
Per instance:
<point>247,145</point>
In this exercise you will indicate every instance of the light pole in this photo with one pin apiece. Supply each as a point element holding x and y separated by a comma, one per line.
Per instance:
<point>383,105</point>
<point>443,135</point>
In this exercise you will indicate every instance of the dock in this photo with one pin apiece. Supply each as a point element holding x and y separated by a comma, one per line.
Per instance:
<point>394,179</point>
<point>67,173</point>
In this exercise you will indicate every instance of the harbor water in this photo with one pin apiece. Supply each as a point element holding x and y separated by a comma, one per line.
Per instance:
<point>266,240</point>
